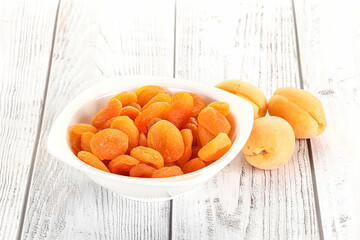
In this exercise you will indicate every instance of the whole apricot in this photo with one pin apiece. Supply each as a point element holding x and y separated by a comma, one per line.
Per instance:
<point>271,143</point>
<point>248,92</point>
<point>301,109</point>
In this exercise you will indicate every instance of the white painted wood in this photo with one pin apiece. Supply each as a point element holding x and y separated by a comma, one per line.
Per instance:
<point>96,40</point>
<point>329,39</point>
<point>25,43</point>
<point>253,40</point>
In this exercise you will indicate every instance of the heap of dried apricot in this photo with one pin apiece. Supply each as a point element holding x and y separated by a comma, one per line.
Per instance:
<point>153,134</point>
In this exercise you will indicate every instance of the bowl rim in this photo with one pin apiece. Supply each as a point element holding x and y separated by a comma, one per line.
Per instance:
<point>61,150</point>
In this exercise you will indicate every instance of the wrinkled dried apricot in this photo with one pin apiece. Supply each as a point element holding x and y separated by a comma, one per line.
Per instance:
<point>75,142</point>
<point>141,170</point>
<point>126,97</point>
<point>79,129</point>
<point>135,105</point>
<point>122,164</point>
<point>113,109</point>
<point>180,109</point>
<point>193,165</point>
<point>126,125</point>
<point>161,97</point>
<point>109,143</point>
<point>148,156</point>
<point>92,160</point>
<point>170,164</point>
<point>195,151</point>
<point>222,107</point>
<point>164,137</point>
<point>129,111</point>
<point>152,122</point>
<point>142,139</point>
<point>109,122</point>
<point>204,135</point>
<point>199,104</point>
<point>167,172</point>
<point>216,148</point>
<point>193,120</point>
<point>194,130</point>
<point>188,140</point>
<point>155,110</point>
<point>85,141</point>
<point>213,121</point>
<point>146,93</point>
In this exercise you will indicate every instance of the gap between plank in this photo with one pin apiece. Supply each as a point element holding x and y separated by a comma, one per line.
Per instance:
<point>37,138</point>
<point>308,142</point>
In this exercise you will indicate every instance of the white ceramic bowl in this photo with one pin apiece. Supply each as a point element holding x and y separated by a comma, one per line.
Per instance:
<point>88,103</point>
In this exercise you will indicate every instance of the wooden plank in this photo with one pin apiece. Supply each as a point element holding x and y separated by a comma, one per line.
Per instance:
<point>252,40</point>
<point>96,41</point>
<point>25,42</point>
<point>329,42</point>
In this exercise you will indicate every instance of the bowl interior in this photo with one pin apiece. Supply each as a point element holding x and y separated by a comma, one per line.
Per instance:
<point>87,104</point>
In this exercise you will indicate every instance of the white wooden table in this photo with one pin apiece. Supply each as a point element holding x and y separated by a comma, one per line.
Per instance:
<point>51,50</point>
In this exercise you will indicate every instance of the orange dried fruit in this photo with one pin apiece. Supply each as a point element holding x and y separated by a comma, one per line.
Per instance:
<point>152,122</point>
<point>79,129</point>
<point>188,140</point>
<point>92,160</point>
<point>129,111</point>
<point>126,125</point>
<point>148,156</point>
<point>109,144</point>
<point>193,165</point>
<point>167,172</point>
<point>214,121</point>
<point>195,151</point>
<point>204,135</point>
<point>135,105</point>
<point>170,164</point>
<point>216,148</point>
<point>113,109</point>
<point>164,137</point>
<point>180,109</point>
<point>146,93</point>
<point>126,97</point>
<point>122,164</point>
<point>161,97</point>
<point>199,104</point>
<point>109,122</point>
<point>75,142</point>
<point>142,139</point>
<point>222,107</point>
<point>194,130</point>
<point>141,170</point>
<point>85,141</point>
<point>155,110</point>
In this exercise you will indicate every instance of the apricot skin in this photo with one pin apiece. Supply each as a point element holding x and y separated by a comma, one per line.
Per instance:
<point>248,92</point>
<point>271,143</point>
<point>301,109</point>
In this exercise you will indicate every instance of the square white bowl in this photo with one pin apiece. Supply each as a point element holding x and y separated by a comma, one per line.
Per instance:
<point>89,102</point>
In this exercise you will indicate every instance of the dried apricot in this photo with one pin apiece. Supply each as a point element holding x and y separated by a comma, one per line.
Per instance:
<point>92,160</point>
<point>222,107</point>
<point>167,172</point>
<point>161,97</point>
<point>193,165</point>
<point>79,129</point>
<point>152,122</point>
<point>194,130</point>
<point>195,151</point>
<point>188,140</point>
<point>75,143</point>
<point>199,105</point>
<point>109,122</point>
<point>146,93</point>
<point>170,164</point>
<point>216,148</point>
<point>142,139</point>
<point>193,121</point>
<point>126,97</point>
<point>164,137</point>
<point>126,125</point>
<point>180,109</point>
<point>129,111</point>
<point>85,141</point>
<point>213,121</point>
<point>109,143</point>
<point>141,170</point>
<point>204,135</point>
<point>135,105</point>
<point>113,109</point>
<point>122,164</point>
<point>148,156</point>
<point>155,110</point>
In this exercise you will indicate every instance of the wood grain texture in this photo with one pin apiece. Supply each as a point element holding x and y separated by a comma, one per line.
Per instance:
<point>25,42</point>
<point>254,41</point>
<point>329,41</point>
<point>96,40</point>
